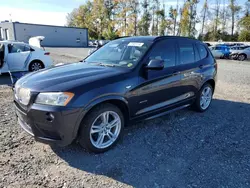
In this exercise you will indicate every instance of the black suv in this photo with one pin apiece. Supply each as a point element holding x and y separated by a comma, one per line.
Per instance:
<point>126,80</point>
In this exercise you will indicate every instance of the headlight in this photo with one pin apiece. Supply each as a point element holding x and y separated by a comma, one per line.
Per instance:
<point>54,98</point>
<point>23,95</point>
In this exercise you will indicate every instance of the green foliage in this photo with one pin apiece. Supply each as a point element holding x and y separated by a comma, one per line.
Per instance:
<point>219,35</point>
<point>189,18</point>
<point>110,34</point>
<point>244,23</point>
<point>109,19</point>
<point>144,23</point>
<point>244,36</point>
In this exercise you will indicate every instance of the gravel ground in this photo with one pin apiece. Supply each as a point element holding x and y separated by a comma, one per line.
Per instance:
<point>183,149</point>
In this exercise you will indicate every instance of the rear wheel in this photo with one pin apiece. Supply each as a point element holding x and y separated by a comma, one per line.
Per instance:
<point>35,66</point>
<point>102,128</point>
<point>204,98</point>
<point>242,57</point>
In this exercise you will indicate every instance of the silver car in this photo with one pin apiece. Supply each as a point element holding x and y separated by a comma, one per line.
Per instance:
<point>243,52</point>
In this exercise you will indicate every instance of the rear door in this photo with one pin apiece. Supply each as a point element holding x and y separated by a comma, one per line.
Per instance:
<point>157,89</point>
<point>17,56</point>
<point>189,67</point>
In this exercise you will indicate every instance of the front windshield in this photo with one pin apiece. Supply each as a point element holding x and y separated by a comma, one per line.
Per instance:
<point>122,53</point>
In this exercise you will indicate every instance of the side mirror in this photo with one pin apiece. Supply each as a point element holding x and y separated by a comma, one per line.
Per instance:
<point>155,64</point>
<point>31,49</point>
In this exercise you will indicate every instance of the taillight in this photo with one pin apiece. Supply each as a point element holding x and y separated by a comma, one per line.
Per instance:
<point>47,53</point>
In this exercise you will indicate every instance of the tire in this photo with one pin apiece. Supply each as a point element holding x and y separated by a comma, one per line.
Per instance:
<point>35,66</point>
<point>200,106</point>
<point>242,57</point>
<point>101,139</point>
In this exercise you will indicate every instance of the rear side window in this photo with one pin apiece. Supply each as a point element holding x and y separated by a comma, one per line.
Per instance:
<point>186,53</point>
<point>164,50</point>
<point>202,51</point>
<point>17,48</point>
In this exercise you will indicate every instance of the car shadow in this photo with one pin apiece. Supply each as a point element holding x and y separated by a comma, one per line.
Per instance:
<point>5,79</point>
<point>182,149</point>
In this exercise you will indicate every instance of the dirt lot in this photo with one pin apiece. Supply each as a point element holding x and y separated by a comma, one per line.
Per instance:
<point>183,149</point>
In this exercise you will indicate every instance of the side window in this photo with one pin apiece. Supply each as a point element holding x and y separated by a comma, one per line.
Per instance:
<point>186,53</point>
<point>164,50</point>
<point>17,48</point>
<point>26,48</point>
<point>202,51</point>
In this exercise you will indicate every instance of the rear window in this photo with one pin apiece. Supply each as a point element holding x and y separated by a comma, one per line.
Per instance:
<point>202,51</point>
<point>186,53</point>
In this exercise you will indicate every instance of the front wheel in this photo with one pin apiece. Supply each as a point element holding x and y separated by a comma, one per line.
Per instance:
<point>242,57</point>
<point>102,128</point>
<point>204,98</point>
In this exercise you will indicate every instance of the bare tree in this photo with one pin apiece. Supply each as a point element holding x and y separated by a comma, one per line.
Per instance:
<point>205,8</point>
<point>234,8</point>
<point>176,15</point>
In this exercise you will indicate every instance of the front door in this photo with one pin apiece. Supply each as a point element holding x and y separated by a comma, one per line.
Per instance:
<point>17,56</point>
<point>158,88</point>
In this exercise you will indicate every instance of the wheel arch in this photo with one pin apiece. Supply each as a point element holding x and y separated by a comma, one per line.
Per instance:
<point>243,54</point>
<point>209,81</point>
<point>117,101</point>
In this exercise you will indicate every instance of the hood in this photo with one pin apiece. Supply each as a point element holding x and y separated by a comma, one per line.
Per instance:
<point>36,41</point>
<point>67,77</point>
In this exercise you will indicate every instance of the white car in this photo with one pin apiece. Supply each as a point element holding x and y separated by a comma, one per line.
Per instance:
<point>22,57</point>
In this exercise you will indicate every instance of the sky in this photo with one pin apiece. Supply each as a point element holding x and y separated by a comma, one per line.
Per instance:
<point>54,12</point>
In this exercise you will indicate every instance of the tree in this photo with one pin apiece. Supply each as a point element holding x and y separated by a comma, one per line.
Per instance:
<point>71,18</point>
<point>122,13</point>
<point>234,9</point>
<point>175,14</point>
<point>155,17</point>
<point>133,20</point>
<point>189,18</point>
<point>192,20</point>
<point>216,20</point>
<point>224,16</point>
<point>184,22</point>
<point>110,33</point>
<point>172,16</point>
<point>244,36</point>
<point>144,23</point>
<point>204,10</point>
<point>162,22</point>
<point>244,24</point>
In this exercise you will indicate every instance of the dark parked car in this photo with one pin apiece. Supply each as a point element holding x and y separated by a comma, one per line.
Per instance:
<point>129,79</point>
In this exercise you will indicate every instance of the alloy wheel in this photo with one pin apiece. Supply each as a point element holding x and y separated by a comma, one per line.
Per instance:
<point>206,98</point>
<point>105,129</point>
<point>241,57</point>
<point>36,66</point>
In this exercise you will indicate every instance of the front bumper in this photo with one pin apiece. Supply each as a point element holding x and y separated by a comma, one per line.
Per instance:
<point>49,124</point>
